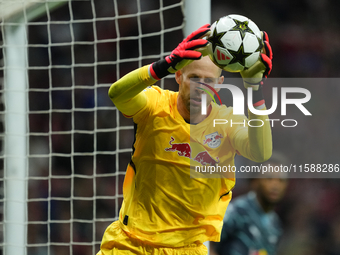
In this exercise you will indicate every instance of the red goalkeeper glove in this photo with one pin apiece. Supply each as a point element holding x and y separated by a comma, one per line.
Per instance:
<point>253,76</point>
<point>268,56</point>
<point>181,56</point>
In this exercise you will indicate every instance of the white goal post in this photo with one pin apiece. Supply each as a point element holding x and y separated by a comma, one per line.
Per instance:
<point>15,161</point>
<point>61,180</point>
<point>14,16</point>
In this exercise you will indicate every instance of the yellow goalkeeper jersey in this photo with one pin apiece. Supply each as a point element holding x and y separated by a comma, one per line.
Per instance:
<point>162,203</point>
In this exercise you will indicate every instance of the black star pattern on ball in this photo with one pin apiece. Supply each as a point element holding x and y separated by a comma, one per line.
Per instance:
<point>242,27</point>
<point>239,56</point>
<point>215,39</point>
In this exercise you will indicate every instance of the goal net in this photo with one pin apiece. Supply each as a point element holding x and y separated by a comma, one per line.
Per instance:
<point>64,146</point>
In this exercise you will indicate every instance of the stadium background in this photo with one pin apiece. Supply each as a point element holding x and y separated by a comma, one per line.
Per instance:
<point>305,38</point>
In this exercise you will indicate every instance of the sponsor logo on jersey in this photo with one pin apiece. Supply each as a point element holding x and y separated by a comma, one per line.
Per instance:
<point>183,149</point>
<point>203,157</point>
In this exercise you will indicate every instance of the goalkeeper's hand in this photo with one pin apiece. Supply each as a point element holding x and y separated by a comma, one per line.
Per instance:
<point>253,77</point>
<point>181,56</point>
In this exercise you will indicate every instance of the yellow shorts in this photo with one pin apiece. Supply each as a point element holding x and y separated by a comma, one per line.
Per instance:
<point>116,241</point>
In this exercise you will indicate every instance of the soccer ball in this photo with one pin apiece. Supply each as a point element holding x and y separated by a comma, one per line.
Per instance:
<point>235,43</point>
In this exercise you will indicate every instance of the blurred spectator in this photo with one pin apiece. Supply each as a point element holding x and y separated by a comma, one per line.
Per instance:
<point>251,225</point>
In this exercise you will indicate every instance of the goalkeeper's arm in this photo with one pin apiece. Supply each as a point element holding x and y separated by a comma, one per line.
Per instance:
<point>126,92</point>
<point>255,141</point>
<point>256,144</point>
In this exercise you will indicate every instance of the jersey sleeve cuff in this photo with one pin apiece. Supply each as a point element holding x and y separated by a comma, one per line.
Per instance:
<point>152,73</point>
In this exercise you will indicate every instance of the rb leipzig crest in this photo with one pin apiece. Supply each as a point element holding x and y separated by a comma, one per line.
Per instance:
<point>213,140</point>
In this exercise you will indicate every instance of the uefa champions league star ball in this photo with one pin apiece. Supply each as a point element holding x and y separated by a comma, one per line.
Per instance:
<point>235,43</point>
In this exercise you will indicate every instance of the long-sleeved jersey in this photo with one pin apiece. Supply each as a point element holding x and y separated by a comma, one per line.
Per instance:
<point>163,204</point>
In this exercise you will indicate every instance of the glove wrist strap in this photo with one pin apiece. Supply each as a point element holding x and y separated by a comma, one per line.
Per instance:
<point>159,69</point>
<point>258,99</point>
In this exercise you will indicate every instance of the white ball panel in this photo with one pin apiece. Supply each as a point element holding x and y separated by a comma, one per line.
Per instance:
<point>232,40</point>
<point>250,43</point>
<point>254,28</point>
<point>251,60</point>
<point>224,24</point>
<point>238,17</point>
<point>212,27</point>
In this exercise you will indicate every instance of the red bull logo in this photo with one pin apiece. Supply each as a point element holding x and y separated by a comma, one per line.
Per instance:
<point>184,150</point>
<point>205,159</point>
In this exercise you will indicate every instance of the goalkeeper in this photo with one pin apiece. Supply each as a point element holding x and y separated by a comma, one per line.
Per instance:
<point>164,210</point>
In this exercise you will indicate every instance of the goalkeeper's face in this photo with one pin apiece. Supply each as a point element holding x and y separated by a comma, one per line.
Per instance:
<point>190,91</point>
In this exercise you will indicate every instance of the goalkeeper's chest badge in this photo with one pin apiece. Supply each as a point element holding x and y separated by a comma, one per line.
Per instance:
<point>213,140</point>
